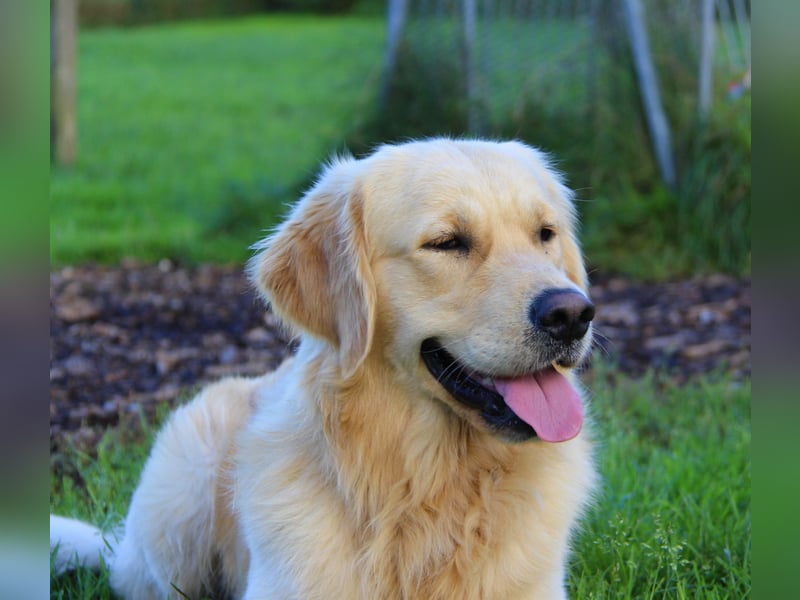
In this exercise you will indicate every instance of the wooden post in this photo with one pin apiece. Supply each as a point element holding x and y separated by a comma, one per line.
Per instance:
<point>648,85</point>
<point>64,14</point>
<point>705,77</point>
<point>397,12</point>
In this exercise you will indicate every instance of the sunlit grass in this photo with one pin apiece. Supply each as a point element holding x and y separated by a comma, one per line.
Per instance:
<point>180,123</point>
<point>673,516</point>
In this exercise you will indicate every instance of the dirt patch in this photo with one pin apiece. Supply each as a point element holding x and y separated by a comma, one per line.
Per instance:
<point>125,340</point>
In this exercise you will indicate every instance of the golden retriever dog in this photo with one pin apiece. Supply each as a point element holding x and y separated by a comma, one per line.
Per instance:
<point>426,441</point>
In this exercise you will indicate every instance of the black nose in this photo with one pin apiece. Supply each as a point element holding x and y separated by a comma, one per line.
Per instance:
<point>563,313</point>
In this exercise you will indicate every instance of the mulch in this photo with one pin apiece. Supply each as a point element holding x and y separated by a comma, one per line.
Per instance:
<point>128,339</point>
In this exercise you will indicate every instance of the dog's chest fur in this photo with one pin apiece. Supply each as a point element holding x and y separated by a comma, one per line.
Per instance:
<point>451,515</point>
<point>449,541</point>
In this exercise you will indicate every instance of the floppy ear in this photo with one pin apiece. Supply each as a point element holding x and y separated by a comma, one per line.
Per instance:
<point>314,269</point>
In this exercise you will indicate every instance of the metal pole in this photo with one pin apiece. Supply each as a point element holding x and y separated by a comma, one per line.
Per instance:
<point>397,12</point>
<point>705,76</point>
<point>469,17</point>
<point>648,84</point>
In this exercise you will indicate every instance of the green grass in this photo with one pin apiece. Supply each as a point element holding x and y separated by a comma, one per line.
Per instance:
<point>672,519</point>
<point>194,137</point>
<point>97,488</point>
<point>183,125</point>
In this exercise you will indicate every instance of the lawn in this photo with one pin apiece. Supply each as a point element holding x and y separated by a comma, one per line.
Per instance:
<point>194,136</point>
<point>672,519</point>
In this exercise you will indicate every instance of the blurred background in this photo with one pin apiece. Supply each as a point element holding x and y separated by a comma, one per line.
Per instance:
<point>183,129</point>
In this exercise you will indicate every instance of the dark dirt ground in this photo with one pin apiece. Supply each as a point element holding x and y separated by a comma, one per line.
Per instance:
<point>127,339</point>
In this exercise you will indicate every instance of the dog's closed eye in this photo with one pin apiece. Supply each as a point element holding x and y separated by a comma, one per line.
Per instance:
<point>450,242</point>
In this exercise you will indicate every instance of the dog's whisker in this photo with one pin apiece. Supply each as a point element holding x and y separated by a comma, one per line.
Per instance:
<point>451,369</point>
<point>606,352</point>
<point>604,348</point>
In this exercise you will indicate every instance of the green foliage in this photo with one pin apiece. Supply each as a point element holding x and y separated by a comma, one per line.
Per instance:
<point>596,128</point>
<point>633,224</point>
<point>98,13</point>
<point>630,232</point>
<point>714,197</point>
<point>94,13</point>
<point>425,98</point>
<point>312,6</point>
<point>671,519</point>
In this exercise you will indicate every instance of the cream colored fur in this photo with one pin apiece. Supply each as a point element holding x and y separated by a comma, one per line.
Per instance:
<point>350,473</point>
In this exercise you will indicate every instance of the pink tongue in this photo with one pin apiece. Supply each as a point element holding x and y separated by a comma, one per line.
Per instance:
<point>546,401</point>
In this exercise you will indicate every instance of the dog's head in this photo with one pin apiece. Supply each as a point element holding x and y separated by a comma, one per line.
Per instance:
<point>456,263</point>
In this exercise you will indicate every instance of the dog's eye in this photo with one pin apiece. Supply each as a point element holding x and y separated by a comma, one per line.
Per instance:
<point>449,243</point>
<point>546,234</point>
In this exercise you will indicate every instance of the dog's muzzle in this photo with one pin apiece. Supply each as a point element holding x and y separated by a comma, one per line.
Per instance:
<point>541,403</point>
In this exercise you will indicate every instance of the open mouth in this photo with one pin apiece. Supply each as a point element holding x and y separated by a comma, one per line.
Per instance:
<point>542,403</point>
